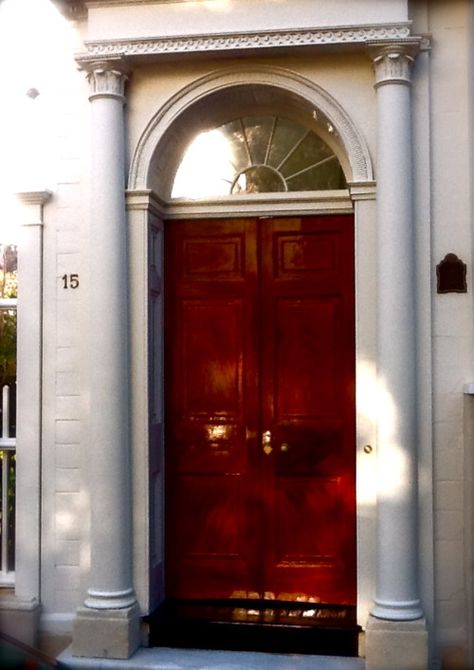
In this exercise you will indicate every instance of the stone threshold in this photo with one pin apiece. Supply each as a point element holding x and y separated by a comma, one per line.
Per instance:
<point>157,658</point>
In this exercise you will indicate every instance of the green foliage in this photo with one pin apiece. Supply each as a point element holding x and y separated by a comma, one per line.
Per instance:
<point>8,289</point>
<point>7,348</point>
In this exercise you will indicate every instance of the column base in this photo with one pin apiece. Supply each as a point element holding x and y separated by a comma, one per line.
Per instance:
<point>19,618</point>
<point>112,633</point>
<point>396,645</point>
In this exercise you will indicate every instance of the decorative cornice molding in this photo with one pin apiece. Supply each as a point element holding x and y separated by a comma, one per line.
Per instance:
<point>39,197</point>
<point>393,61</point>
<point>32,206</point>
<point>106,77</point>
<point>337,35</point>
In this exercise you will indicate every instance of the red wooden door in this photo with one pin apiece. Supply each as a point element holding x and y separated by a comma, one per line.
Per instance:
<point>260,419</point>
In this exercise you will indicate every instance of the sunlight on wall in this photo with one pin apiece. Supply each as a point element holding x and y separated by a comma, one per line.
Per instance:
<point>391,476</point>
<point>366,417</point>
<point>36,40</point>
<point>218,5</point>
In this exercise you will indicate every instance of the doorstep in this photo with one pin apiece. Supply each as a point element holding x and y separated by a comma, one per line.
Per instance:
<point>161,658</point>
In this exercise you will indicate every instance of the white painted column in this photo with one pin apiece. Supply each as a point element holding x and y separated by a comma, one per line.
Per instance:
<point>110,602</point>
<point>396,596</point>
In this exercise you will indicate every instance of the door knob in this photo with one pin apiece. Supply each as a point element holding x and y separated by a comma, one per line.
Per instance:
<point>267,442</point>
<point>284,447</point>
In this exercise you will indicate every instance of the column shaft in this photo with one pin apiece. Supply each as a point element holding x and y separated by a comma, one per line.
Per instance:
<point>111,573</point>
<point>396,589</point>
<point>108,624</point>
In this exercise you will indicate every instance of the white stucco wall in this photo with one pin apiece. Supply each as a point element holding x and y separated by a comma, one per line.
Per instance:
<point>452,313</point>
<point>64,554</point>
<point>188,17</point>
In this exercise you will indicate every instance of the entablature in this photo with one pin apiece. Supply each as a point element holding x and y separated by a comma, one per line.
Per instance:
<point>342,37</point>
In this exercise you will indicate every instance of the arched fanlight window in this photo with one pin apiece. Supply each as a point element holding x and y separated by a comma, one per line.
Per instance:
<point>257,154</point>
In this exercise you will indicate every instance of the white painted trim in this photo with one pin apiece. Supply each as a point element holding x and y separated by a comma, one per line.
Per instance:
<point>8,303</point>
<point>149,204</point>
<point>263,204</point>
<point>423,277</point>
<point>359,197</point>
<point>365,232</point>
<point>29,394</point>
<point>34,198</point>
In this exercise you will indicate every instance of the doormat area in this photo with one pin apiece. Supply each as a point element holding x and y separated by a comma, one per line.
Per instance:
<point>271,626</point>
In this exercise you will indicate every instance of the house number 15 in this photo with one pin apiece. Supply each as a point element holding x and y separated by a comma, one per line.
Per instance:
<point>70,281</point>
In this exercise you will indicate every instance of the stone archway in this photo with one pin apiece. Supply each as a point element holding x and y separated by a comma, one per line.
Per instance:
<point>209,100</point>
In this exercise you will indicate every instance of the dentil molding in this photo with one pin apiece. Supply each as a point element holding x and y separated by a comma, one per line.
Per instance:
<point>338,35</point>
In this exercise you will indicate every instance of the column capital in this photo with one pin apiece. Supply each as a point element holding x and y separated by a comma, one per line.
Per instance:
<point>393,61</point>
<point>106,77</point>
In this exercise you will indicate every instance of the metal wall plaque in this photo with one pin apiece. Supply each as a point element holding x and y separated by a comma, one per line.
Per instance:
<point>451,275</point>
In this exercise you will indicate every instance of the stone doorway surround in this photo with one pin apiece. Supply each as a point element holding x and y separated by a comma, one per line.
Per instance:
<point>108,624</point>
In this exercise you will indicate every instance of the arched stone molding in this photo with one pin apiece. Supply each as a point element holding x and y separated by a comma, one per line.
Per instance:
<point>352,148</point>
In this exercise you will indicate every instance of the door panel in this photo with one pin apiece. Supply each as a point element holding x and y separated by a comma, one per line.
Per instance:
<point>260,337</point>
<point>305,366</point>
<point>307,386</point>
<point>210,275</point>
<point>212,349</point>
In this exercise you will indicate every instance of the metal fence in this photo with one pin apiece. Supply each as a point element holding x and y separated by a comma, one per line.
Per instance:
<point>7,467</point>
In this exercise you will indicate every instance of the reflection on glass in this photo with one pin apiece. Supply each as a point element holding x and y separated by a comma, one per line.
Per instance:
<point>259,179</point>
<point>260,154</point>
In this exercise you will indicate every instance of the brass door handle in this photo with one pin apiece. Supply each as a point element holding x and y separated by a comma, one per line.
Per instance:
<point>284,447</point>
<point>267,442</point>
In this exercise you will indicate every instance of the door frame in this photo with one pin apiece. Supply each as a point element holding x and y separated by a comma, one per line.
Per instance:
<point>147,216</point>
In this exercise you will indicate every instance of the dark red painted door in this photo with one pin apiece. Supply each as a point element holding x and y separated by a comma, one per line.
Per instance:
<point>260,419</point>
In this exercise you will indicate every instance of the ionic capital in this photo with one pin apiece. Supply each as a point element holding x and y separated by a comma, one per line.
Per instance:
<point>106,78</point>
<point>393,63</point>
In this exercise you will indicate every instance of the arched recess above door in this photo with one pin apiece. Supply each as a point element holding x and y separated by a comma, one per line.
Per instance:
<point>219,97</point>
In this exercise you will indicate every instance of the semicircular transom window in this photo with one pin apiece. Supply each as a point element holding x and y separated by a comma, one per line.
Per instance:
<point>257,154</point>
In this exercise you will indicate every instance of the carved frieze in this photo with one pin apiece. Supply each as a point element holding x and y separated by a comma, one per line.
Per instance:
<point>338,35</point>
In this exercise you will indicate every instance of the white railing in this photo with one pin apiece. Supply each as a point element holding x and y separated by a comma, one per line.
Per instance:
<point>7,477</point>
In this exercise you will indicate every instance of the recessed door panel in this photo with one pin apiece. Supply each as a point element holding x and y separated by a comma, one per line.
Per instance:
<point>260,409</point>
<point>212,356</point>
<point>306,365</point>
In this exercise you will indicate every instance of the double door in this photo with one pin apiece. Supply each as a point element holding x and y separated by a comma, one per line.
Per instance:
<point>260,418</point>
